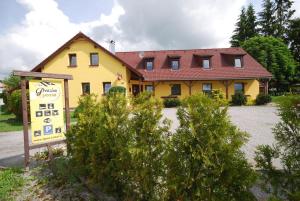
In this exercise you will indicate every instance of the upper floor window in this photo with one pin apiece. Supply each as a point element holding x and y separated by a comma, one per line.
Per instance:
<point>238,62</point>
<point>72,60</point>
<point>239,87</point>
<point>207,87</point>
<point>205,63</point>
<point>175,64</point>
<point>85,88</point>
<point>149,64</point>
<point>106,87</point>
<point>149,88</point>
<point>176,89</point>
<point>94,59</point>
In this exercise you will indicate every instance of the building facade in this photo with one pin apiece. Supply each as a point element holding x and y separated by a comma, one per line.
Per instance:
<point>167,73</point>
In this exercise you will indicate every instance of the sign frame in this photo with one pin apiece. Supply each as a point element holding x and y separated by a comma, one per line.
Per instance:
<point>24,75</point>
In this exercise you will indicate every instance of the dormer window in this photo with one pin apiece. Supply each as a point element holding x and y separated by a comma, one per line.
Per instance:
<point>238,62</point>
<point>174,64</point>
<point>149,64</point>
<point>205,63</point>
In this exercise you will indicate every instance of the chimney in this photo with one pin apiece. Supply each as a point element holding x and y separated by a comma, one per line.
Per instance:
<point>112,45</point>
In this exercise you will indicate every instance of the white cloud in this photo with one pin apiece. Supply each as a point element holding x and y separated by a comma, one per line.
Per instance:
<point>135,25</point>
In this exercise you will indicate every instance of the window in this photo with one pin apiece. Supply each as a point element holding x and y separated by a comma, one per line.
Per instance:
<point>176,89</point>
<point>72,60</point>
<point>149,65</point>
<point>175,64</point>
<point>149,88</point>
<point>207,87</point>
<point>106,87</point>
<point>205,63</point>
<point>239,87</point>
<point>94,59</point>
<point>238,62</point>
<point>85,88</point>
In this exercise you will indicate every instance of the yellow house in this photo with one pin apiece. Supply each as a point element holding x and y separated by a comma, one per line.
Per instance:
<point>167,73</point>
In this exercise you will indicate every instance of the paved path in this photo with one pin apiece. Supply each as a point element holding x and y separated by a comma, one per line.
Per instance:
<point>256,120</point>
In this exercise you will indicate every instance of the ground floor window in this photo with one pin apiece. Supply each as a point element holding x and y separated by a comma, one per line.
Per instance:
<point>238,87</point>
<point>207,87</point>
<point>149,88</point>
<point>176,89</point>
<point>85,88</point>
<point>106,87</point>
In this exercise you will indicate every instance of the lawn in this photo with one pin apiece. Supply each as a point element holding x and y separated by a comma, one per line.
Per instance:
<point>9,123</point>
<point>278,99</point>
<point>10,181</point>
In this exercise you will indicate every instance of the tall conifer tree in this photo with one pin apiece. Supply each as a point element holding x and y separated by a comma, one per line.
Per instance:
<point>267,18</point>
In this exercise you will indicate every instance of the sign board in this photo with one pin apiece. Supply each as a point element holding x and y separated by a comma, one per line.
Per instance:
<point>46,110</point>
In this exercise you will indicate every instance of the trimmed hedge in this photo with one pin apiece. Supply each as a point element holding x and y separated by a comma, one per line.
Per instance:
<point>239,98</point>
<point>171,102</point>
<point>263,99</point>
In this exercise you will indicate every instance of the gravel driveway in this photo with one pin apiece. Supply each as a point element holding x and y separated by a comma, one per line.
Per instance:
<point>258,121</point>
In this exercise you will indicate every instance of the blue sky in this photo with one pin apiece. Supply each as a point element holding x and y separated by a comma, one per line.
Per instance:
<point>33,29</point>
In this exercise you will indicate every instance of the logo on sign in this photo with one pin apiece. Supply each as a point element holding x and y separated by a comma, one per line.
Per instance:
<point>48,129</point>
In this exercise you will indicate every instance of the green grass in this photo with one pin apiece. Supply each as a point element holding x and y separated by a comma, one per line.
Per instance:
<point>9,123</point>
<point>280,99</point>
<point>10,181</point>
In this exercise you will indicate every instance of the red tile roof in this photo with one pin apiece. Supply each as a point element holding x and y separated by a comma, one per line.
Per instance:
<point>189,70</point>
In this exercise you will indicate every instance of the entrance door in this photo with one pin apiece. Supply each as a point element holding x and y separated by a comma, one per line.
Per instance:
<point>135,89</point>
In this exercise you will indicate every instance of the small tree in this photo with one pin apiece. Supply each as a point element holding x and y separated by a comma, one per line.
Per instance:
<point>148,148</point>
<point>285,182</point>
<point>204,160</point>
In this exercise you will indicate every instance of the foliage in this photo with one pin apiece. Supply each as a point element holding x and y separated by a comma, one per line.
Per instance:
<point>267,18</point>
<point>263,99</point>
<point>239,98</point>
<point>218,96</point>
<point>148,148</point>
<point>78,110</point>
<point>10,180</point>
<point>275,56</point>
<point>171,102</point>
<point>204,160</point>
<point>11,82</point>
<point>117,89</point>
<point>283,183</point>
<point>245,27</point>
<point>294,41</point>
<point>283,13</point>
<point>14,103</point>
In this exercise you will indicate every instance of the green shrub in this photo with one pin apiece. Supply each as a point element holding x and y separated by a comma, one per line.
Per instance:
<point>219,96</point>
<point>283,182</point>
<point>263,99</point>
<point>78,110</point>
<point>15,103</point>
<point>239,99</point>
<point>204,160</point>
<point>117,89</point>
<point>171,102</point>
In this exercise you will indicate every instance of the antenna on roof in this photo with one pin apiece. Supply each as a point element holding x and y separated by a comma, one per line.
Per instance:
<point>141,54</point>
<point>112,45</point>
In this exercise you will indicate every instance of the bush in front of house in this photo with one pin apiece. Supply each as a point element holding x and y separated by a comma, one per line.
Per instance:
<point>171,102</point>
<point>14,102</point>
<point>117,89</point>
<point>238,98</point>
<point>204,160</point>
<point>219,96</point>
<point>263,99</point>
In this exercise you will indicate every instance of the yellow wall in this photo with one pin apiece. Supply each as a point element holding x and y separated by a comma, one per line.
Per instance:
<point>163,89</point>
<point>107,70</point>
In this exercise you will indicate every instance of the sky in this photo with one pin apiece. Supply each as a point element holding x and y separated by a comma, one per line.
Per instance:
<point>30,30</point>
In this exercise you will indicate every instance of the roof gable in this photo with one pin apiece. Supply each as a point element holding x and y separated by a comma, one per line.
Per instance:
<point>80,35</point>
